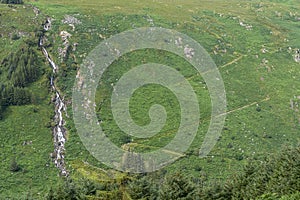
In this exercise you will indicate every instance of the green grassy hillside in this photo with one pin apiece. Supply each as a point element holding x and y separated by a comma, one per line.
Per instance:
<point>25,132</point>
<point>252,43</point>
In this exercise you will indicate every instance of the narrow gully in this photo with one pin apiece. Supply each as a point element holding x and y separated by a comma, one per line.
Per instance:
<point>59,131</point>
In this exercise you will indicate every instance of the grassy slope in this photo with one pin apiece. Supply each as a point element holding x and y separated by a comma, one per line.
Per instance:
<point>249,83</point>
<point>25,123</point>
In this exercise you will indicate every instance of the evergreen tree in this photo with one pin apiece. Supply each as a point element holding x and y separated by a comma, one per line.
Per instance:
<point>177,186</point>
<point>277,176</point>
<point>12,1</point>
<point>144,187</point>
<point>23,66</point>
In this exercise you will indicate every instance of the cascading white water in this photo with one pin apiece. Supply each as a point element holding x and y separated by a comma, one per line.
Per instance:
<point>59,131</point>
<point>54,67</point>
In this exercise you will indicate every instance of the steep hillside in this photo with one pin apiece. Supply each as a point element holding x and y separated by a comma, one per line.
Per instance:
<point>254,45</point>
<point>26,115</point>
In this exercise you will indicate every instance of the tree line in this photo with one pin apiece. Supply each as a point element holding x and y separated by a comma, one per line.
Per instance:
<point>275,177</point>
<point>18,70</point>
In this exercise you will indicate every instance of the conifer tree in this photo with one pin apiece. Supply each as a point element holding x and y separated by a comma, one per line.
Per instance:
<point>177,186</point>
<point>12,1</point>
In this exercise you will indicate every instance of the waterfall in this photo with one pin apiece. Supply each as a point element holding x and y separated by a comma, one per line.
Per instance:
<point>59,131</point>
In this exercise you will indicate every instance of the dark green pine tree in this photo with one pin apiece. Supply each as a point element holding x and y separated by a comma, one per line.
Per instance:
<point>8,94</point>
<point>271,178</point>
<point>12,63</point>
<point>144,187</point>
<point>12,1</point>
<point>19,76</point>
<point>177,186</point>
<point>32,69</point>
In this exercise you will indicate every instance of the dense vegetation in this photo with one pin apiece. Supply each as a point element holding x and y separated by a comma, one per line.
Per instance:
<point>26,115</point>
<point>23,67</point>
<point>17,71</point>
<point>251,42</point>
<point>276,177</point>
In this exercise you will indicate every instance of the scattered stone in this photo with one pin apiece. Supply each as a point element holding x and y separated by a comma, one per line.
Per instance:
<point>118,53</point>
<point>150,20</point>
<point>247,26</point>
<point>264,61</point>
<point>278,14</point>
<point>101,36</point>
<point>178,42</point>
<point>70,20</point>
<point>65,35</point>
<point>73,27</point>
<point>189,52</point>
<point>297,58</point>
<point>27,143</point>
<point>264,50</point>
<point>36,11</point>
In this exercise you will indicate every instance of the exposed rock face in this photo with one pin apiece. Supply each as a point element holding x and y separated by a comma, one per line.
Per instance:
<point>59,131</point>
<point>66,44</point>
<point>71,20</point>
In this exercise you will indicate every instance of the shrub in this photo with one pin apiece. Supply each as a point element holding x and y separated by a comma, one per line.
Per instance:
<point>14,167</point>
